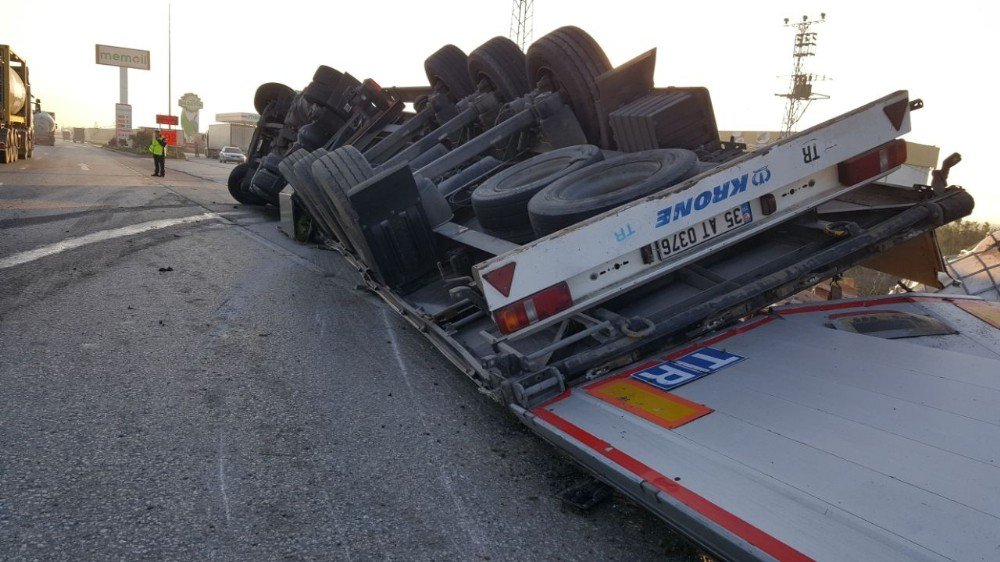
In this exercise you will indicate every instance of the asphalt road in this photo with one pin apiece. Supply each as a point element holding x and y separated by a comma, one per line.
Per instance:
<point>212,390</point>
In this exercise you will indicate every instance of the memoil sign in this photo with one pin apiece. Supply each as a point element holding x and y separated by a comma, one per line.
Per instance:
<point>120,56</point>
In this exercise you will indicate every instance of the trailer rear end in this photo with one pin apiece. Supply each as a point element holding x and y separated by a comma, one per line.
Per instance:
<point>45,127</point>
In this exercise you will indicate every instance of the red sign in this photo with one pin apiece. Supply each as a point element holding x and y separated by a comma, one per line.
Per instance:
<point>171,137</point>
<point>166,119</point>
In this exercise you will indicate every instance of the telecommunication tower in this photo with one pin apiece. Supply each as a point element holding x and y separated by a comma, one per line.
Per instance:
<point>801,93</point>
<point>521,19</point>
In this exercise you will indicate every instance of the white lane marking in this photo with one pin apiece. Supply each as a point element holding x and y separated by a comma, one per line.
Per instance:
<point>23,168</point>
<point>222,478</point>
<point>84,167</point>
<point>69,244</point>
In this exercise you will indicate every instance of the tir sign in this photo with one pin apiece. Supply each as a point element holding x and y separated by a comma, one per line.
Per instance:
<point>166,119</point>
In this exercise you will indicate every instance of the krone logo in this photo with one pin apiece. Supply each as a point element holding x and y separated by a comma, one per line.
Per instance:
<point>761,176</point>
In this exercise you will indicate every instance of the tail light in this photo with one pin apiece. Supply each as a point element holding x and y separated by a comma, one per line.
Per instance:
<point>873,163</point>
<point>539,306</point>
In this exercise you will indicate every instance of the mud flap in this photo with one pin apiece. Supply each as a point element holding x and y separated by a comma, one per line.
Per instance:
<point>395,226</point>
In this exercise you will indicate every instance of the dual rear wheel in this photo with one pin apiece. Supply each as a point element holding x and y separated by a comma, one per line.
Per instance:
<point>567,60</point>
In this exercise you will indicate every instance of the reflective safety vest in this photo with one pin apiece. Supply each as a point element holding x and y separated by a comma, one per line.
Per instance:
<point>156,148</point>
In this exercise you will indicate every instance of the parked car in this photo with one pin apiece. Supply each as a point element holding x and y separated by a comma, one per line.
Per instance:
<point>232,154</point>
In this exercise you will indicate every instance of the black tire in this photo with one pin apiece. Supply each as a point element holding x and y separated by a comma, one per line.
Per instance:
<point>421,103</point>
<point>235,184</point>
<point>501,202</point>
<point>607,185</point>
<point>297,169</point>
<point>335,173</point>
<point>447,71</point>
<point>325,79</point>
<point>268,92</point>
<point>306,197</point>
<point>500,62</point>
<point>572,61</point>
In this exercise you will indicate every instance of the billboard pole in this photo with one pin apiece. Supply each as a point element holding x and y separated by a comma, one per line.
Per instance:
<point>124,58</point>
<point>170,62</point>
<point>123,85</point>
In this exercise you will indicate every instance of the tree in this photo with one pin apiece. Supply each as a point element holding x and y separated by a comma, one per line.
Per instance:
<point>960,235</point>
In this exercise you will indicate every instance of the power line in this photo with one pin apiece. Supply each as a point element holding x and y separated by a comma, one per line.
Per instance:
<point>800,92</point>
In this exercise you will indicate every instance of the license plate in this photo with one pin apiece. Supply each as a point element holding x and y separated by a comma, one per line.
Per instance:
<point>687,238</point>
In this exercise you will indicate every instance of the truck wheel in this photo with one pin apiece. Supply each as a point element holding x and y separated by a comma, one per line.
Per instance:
<point>608,184</point>
<point>268,92</point>
<point>447,71</point>
<point>421,103</point>
<point>297,169</point>
<point>500,62</point>
<point>325,79</point>
<point>336,172</point>
<point>568,61</point>
<point>235,185</point>
<point>501,202</point>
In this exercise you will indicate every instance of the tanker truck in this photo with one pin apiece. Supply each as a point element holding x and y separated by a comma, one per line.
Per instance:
<point>16,135</point>
<point>45,126</point>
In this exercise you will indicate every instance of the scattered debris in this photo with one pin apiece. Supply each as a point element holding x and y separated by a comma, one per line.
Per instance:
<point>585,495</point>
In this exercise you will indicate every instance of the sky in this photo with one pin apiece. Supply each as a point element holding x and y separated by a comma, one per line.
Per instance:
<point>740,50</point>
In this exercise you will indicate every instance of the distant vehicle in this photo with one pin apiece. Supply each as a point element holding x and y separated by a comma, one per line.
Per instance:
<point>79,134</point>
<point>232,154</point>
<point>67,134</point>
<point>221,135</point>
<point>45,127</point>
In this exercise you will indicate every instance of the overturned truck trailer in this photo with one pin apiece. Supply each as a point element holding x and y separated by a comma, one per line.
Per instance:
<point>581,245</point>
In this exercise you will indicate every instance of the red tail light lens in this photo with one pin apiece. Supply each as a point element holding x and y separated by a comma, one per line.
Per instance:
<point>873,163</point>
<point>539,306</point>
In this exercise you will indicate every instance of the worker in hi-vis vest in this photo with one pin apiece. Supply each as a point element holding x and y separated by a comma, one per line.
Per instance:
<point>157,147</point>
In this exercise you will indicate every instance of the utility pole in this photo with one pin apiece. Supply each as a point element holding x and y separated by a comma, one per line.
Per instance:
<point>521,22</point>
<point>170,61</point>
<point>800,93</point>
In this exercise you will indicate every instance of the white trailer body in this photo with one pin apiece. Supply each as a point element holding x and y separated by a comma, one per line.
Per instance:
<point>866,429</point>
